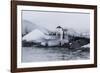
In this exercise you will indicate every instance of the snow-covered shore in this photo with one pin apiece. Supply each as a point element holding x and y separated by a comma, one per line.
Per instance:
<point>86,46</point>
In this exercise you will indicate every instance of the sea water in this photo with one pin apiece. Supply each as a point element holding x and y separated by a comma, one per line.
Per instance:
<point>39,54</point>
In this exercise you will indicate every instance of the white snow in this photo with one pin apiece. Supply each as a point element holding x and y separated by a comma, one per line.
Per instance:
<point>34,35</point>
<point>53,42</point>
<point>86,46</point>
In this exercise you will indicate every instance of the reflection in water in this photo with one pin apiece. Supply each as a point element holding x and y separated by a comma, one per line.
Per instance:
<point>36,54</point>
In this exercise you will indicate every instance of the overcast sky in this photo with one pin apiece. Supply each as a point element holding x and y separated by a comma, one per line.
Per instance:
<point>50,20</point>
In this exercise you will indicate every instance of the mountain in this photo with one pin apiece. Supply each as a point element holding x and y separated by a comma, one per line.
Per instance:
<point>76,33</point>
<point>27,27</point>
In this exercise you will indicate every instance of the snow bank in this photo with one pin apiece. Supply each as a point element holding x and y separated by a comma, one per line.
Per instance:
<point>86,46</point>
<point>35,35</point>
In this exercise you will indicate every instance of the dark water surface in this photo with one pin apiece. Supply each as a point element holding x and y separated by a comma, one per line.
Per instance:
<point>37,54</point>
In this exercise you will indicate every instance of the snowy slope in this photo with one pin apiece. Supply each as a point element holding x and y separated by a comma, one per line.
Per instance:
<point>35,35</point>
